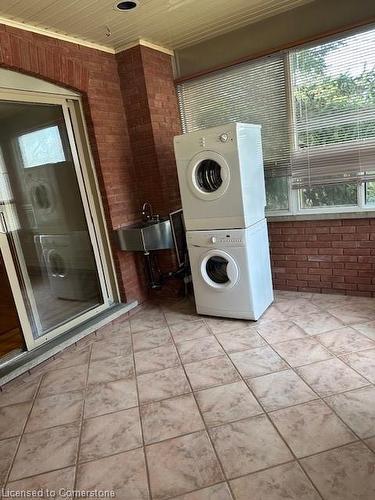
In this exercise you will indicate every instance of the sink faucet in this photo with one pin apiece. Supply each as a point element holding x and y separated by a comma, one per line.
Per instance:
<point>147,211</point>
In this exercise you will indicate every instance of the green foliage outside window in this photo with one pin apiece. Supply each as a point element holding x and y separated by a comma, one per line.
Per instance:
<point>277,193</point>
<point>335,98</point>
<point>329,195</point>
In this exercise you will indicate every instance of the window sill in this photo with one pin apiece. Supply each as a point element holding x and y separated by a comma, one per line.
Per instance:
<point>363,214</point>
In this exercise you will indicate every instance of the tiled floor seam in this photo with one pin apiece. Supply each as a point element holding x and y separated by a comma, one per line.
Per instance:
<point>210,427</point>
<point>362,333</point>
<point>82,421</point>
<point>113,411</point>
<point>200,413</point>
<point>346,391</point>
<point>6,480</point>
<point>270,421</point>
<point>363,440</point>
<point>320,397</point>
<point>354,369</point>
<point>206,427</point>
<point>200,489</point>
<point>36,475</point>
<point>139,414</point>
<point>117,453</point>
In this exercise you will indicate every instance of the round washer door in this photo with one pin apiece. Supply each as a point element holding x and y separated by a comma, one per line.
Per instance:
<point>42,197</point>
<point>208,175</point>
<point>219,270</point>
<point>56,264</point>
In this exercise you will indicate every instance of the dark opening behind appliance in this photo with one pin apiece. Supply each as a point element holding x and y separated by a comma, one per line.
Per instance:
<point>178,232</point>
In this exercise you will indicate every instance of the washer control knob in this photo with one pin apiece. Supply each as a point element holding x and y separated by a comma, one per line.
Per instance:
<point>213,239</point>
<point>224,138</point>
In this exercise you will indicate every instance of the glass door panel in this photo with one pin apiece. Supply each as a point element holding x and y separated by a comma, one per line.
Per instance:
<point>11,338</point>
<point>15,327</point>
<point>52,243</point>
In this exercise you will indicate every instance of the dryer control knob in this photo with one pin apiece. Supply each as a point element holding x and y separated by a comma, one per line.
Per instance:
<point>224,138</point>
<point>213,239</point>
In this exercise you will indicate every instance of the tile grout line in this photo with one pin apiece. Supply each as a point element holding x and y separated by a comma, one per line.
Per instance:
<point>246,418</point>
<point>322,399</point>
<point>334,356</point>
<point>6,480</point>
<point>318,396</point>
<point>187,433</point>
<point>293,369</point>
<point>272,423</point>
<point>206,429</point>
<point>76,465</point>
<point>139,415</point>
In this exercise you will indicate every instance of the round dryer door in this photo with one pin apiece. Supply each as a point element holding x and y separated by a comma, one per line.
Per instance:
<point>219,270</point>
<point>41,196</point>
<point>208,175</point>
<point>56,264</point>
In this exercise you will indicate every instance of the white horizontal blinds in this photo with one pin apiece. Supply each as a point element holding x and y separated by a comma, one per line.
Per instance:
<point>252,92</point>
<point>333,94</point>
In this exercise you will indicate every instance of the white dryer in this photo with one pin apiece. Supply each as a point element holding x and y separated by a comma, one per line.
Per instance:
<point>221,177</point>
<point>70,265</point>
<point>231,271</point>
<point>55,199</point>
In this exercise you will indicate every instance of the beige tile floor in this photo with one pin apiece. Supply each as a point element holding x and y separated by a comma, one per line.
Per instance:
<point>173,405</point>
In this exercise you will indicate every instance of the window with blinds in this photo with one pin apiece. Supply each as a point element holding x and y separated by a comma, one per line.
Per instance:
<point>333,97</point>
<point>252,92</point>
<point>316,105</point>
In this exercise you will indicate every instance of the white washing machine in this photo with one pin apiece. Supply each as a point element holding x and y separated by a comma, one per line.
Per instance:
<point>231,271</point>
<point>70,265</point>
<point>221,177</point>
<point>55,198</point>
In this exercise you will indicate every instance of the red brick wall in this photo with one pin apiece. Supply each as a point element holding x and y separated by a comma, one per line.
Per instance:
<point>327,256</point>
<point>153,120</point>
<point>95,75</point>
<point>153,117</point>
<point>165,120</point>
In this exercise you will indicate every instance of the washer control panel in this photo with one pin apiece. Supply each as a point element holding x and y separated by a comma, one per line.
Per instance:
<point>226,241</point>
<point>220,239</point>
<point>211,140</point>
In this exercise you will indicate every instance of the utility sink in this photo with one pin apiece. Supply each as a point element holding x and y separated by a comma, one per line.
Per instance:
<point>146,236</point>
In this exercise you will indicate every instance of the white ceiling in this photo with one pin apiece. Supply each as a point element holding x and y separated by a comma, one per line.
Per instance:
<point>168,23</point>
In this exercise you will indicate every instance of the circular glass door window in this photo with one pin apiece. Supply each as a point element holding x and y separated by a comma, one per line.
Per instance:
<point>216,268</point>
<point>56,264</point>
<point>208,174</point>
<point>42,197</point>
<point>219,270</point>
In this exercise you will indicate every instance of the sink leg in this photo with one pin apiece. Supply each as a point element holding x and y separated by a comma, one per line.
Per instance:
<point>151,264</point>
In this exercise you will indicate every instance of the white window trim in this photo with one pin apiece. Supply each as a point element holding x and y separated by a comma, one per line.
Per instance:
<point>295,208</point>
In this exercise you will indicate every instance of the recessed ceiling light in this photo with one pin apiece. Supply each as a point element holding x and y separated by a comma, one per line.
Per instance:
<point>127,5</point>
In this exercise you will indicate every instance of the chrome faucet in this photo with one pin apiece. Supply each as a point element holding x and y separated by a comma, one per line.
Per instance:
<point>147,211</point>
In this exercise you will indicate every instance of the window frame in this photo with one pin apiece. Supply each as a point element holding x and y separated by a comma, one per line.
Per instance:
<point>296,209</point>
<point>295,195</point>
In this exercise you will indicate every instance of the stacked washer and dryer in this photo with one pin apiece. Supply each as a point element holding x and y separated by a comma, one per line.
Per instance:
<point>221,177</point>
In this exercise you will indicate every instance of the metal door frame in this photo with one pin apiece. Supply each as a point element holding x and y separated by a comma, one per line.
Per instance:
<point>18,298</point>
<point>93,210</point>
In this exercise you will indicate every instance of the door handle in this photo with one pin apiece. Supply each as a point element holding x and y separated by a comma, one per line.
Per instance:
<point>3,226</point>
